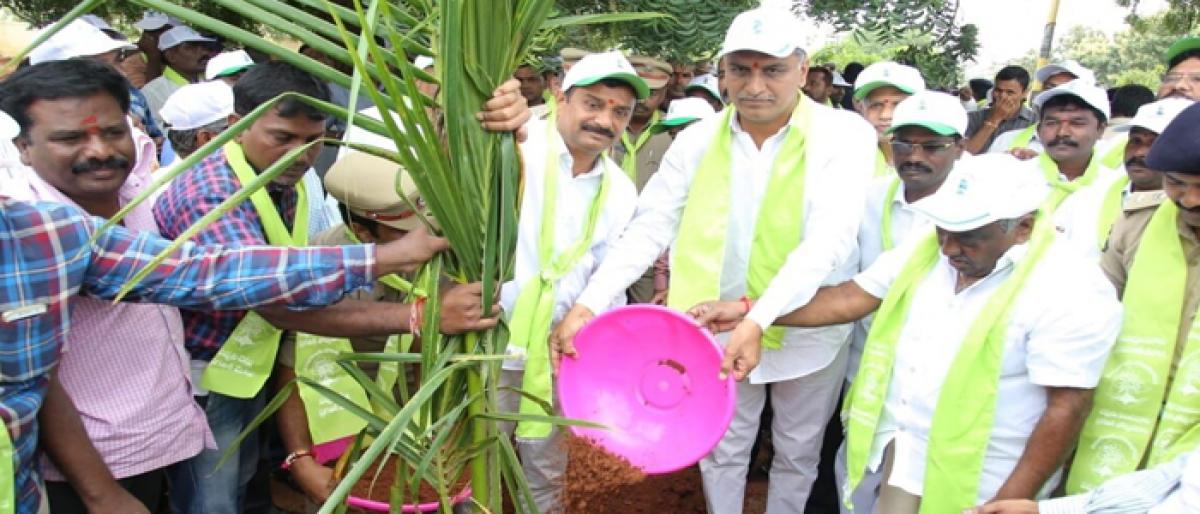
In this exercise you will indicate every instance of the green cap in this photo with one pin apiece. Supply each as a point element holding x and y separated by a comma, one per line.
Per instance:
<point>1183,45</point>
<point>595,68</point>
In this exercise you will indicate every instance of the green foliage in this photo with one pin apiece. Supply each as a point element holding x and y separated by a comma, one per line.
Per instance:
<point>938,68</point>
<point>922,33</point>
<point>1181,17</point>
<point>43,12</point>
<point>691,30</point>
<point>1132,56</point>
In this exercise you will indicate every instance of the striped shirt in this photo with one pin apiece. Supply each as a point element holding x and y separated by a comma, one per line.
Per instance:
<point>46,261</point>
<point>1157,488</point>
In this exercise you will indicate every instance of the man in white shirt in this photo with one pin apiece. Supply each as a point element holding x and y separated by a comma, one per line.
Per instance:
<point>731,198</point>
<point>572,184</point>
<point>927,140</point>
<point>981,363</point>
<point>877,91</point>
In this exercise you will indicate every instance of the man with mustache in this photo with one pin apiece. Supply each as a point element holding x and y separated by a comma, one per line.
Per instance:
<point>1145,408</point>
<point>123,364</point>
<point>1072,119</point>
<point>576,202</point>
<point>1182,79</point>
<point>761,204</point>
<point>230,391</point>
<point>988,339</point>
<point>927,141</point>
<point>879,89</point>
<point>185,54</point>
<point>1026,142</point>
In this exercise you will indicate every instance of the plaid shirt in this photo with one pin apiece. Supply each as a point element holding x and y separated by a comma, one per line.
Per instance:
<point>191,196</point>
<point>45,259</point>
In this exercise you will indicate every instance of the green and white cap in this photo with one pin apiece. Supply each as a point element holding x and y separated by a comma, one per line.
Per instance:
<point>706,82</point>
<point>888,73</point>
<point>227,63</point>
<point>1182,45</point>
<point>1155,116</point>
<point>772,31</point>
<point>594,68</point>
<point>935,111</point>
<point>686,110</point>
<point>984,189</point>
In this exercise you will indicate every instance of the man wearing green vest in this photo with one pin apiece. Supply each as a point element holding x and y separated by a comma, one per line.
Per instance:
<point>1182,79</point>
<point>576,202</point>
<point>927,140</point>
<point>877,91</point>
<point>185,54</point>
<point>980,364</point>
<point>1072,118</point>
<point>1146,410</point>
<point>776,179</point>
<point>234,352</point>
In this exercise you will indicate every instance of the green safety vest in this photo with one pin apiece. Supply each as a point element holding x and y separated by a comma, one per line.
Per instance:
<point>629,161</point>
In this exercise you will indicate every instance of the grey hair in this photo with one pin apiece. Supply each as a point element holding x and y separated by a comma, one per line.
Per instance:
<point>801,56</point>
<point>184,141</point>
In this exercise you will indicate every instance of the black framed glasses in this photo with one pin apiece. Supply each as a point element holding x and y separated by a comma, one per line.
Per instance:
<point>932,147</point>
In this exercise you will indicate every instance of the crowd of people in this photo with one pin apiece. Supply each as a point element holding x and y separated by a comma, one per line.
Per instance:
<point>988,296</point>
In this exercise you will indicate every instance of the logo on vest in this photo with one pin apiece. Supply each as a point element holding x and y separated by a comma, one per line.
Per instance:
<point>1111,453</point>
<point>1131,381</point>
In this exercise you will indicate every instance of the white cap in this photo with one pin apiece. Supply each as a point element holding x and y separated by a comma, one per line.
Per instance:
<point>933,110</point>
<point>775,32</point>
<point>985,189</point>
<point>96,21</point>
<point>8,127</point>
<point>154,20</point>
<point>1155,116</point>
<point>1081,89</point>
<point>686,110</point>
<point>888,73</point>
<point>77,39</point>
<point>593,68</point>
<point>196,105</point>
<point>227,63</point>
<point>179,35</point>
<point>1069,66</point>
<point>707,82</point>
<point>839,80</point>
<point>422,62</point>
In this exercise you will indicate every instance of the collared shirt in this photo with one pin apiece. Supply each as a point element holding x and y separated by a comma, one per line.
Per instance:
<point>124,365</point>
<point>907,224</point>
<point>1050,342</point>
<point>649,157</point>
<point>188,198</point>
<point>574,200</point>
<point>1077,218</point>
<point>1169,488</point>
<point>840,158</point>
<point>1024,118</point>
<point>46,261</point>
<point>1003,142</point>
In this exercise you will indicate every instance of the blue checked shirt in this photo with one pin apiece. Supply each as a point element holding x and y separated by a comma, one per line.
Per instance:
<point>45,259</point>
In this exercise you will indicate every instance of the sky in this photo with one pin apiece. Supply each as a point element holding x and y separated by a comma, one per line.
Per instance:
<point>1008,29</point>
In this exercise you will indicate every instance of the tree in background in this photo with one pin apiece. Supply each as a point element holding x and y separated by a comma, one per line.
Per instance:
<point>690,31</point>
<point>1181,16</point>
<point>922,33</point>
<point>1132,56</point>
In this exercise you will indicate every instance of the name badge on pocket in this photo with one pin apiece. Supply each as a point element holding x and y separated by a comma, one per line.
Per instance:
<point>25,311</point>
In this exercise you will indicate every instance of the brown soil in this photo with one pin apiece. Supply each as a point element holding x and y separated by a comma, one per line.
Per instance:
<point>594,474</point>
<point>378,488</point>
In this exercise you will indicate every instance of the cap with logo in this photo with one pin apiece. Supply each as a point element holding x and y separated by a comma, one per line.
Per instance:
<point>1074,68</point>
<point>196,105</point>
<point>982,190</point>
<point>1176,150</point>
<point>933,110</point>
<point>707,83</point>
<point>686,110</point>
<point>594,68</point>
<point>366,185</point>
<point>179,35</point>
<point>771,31</point>
<point>1155,116</point>
<point>888,73</point>
<point>77,39</point>
<point>656,73</point>
<point>227,63</point>
<point>154,20</point>
<point>1090,93</point>
<point>1181,46</point>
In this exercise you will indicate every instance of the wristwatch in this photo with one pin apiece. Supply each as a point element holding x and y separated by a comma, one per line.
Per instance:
<point>294,456</point>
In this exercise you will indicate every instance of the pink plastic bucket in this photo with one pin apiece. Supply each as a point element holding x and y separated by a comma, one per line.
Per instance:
<point>331,450</point>
<point>650,374</point>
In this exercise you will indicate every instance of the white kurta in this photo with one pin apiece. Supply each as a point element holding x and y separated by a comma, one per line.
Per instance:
<point>1064,323</point>
<point>840,158</point>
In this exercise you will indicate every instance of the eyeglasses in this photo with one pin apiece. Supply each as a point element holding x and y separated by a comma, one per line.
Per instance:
<point>904,147</point>
<point>1171,79</point>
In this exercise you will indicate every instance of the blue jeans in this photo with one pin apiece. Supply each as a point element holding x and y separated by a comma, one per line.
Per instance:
<point>197,485</point>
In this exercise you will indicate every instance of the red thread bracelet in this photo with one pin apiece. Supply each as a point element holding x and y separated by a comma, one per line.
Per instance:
<point>747,303</point>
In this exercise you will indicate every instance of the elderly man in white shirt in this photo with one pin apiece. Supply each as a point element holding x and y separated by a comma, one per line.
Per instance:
<point>927,139</point>
<point>571,184</point>
<point>732,198</point>
<point>981,365</point>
